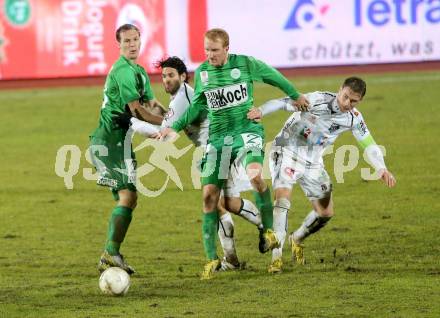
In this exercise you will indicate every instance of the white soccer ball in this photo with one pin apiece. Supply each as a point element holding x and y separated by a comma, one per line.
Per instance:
<point>114,281</point>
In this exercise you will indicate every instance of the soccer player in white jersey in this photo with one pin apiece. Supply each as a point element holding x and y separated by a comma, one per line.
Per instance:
<point>296,157</point>
<point>175,79</point>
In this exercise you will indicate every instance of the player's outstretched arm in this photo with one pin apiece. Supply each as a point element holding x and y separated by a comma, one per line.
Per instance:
<point>255,113</point>
<point>262,72</point>
<point>166,134</point>
<point>144,114</point>
<point>301,103</point>
<point>375,158</point>
<point>372,151</point>
<point>273,105</point>
<point>388,178</point>
<point>156,107</point>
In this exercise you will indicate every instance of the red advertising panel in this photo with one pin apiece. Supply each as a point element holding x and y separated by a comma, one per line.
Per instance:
<point>197,26</point>
<point>58,38</point>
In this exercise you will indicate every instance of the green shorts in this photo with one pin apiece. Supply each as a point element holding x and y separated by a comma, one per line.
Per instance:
<point>115,170</point>
<point>220,153</point>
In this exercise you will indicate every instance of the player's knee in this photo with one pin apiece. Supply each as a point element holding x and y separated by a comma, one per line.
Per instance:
<point>254,171</point>
<point>221,205</point>
<point>327,213</point>
<point>210,200</point>
<point>256,178</point>
<point>282,193</point>
<point>233,204</point>
<point>282,203</point>
<point>128,198</point>
<point>258,183</point>
<point>132,203</point>
<point>324,207</point>
<point>209,203</point>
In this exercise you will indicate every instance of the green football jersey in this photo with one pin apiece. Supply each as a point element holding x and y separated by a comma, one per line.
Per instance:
<point>126,82</point>
<point>226,94</point>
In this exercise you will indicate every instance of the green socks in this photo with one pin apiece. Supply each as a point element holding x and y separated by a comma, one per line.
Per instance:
<point>209,234</point>
<point>263,201</point>
<point>117,228</point>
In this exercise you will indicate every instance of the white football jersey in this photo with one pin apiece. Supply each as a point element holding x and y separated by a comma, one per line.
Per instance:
<point>180,102</point>
<point>308,133</point>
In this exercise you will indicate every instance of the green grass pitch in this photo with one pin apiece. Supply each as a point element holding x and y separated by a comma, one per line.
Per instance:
<point>378,257</point>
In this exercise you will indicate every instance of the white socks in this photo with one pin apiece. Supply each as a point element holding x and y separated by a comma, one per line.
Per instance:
<point>280,212</point>
<point>226,236</point>
<point>311,224</point>
<point>250,213</point>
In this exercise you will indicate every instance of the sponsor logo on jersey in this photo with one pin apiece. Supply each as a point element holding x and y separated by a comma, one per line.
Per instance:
<point>228,96</point>
<point>289,171</point>
<point>334,127</point>
<point>293,119</point>
<point>235,73</point>
<point>363,127</point>
<point>204,77</point>
<point>306,132</point>
<point>107,182</point>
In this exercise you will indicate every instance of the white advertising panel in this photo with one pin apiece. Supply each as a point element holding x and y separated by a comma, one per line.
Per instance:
<point>300,33</point>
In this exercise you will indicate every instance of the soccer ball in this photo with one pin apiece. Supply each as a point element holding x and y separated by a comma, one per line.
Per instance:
<point>114,281</point>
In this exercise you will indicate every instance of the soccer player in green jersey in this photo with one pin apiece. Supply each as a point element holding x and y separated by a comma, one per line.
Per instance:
<point>127,87</point>
<point>224,90</point>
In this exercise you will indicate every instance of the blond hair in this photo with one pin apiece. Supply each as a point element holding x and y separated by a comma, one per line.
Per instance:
<point>218,34</point>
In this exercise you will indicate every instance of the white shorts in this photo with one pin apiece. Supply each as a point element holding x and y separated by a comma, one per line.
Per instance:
<point>286,170</point>
<point>238,180</point>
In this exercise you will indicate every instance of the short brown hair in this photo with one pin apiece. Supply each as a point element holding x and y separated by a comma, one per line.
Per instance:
<point>218,34</point>
<point>125,27</point>
<point>356,84</point>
